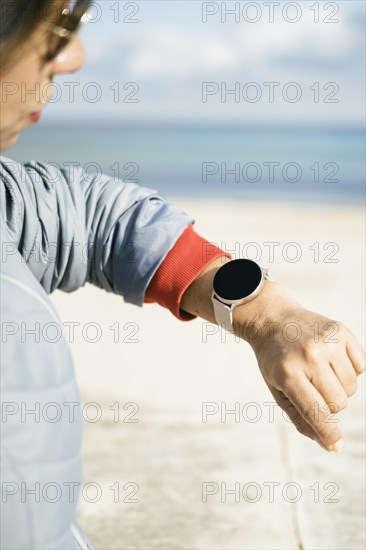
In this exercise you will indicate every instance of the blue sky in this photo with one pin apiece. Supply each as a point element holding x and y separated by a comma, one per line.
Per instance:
<point>148,61</point>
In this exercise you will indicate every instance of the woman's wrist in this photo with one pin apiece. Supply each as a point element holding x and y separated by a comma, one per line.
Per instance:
<point>256,319</point>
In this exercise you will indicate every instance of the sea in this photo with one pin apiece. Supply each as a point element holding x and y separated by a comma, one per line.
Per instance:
<point>228,162</point>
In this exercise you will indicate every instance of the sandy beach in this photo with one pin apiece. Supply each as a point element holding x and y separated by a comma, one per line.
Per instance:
<point>164,467</point>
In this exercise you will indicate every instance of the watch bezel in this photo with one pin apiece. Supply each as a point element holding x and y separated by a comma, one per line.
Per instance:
<point>245,299</point>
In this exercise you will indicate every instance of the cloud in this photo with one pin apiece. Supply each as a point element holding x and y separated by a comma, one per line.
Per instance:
<point>170,53</point>
<point>180,53</point>
<point>176,53</point>
<point>326,41</point>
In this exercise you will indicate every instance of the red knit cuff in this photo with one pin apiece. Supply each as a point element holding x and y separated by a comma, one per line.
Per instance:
<point>184,262</point>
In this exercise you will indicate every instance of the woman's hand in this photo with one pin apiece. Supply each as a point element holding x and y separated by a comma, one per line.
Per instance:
<point>309,362</point>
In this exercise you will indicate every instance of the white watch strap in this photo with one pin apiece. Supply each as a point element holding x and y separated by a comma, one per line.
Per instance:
<point>224,312</point>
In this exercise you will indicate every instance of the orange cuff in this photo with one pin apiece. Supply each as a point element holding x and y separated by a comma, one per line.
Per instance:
<point>184,262</point>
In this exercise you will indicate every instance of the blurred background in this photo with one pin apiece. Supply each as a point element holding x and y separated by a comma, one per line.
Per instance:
<point>153,104</point>
<point>210,107</point>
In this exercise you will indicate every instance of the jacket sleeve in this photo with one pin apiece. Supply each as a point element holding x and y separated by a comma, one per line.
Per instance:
<point>71,228</point>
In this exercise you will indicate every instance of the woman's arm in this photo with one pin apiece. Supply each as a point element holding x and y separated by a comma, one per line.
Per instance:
<point>71,229</point>
<point>122,237</point>
<point>308,379</point>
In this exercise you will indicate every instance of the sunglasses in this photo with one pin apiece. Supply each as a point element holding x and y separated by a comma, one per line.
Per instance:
<point>65,28</point>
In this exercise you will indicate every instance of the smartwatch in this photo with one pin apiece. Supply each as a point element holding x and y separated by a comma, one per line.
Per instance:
<point>236,282</point>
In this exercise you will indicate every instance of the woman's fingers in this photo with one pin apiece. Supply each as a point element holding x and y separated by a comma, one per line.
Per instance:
<point>330,388</point>
<point>355,353</point>
<point>315,373</point>
<point>305,397</point>
<point>346,375</point>
<point>301,425</point>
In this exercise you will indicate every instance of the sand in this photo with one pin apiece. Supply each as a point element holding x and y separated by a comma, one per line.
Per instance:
<point>159,473</point>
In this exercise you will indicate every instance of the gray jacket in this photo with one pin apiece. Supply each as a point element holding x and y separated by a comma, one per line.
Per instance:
<point>60,229</point>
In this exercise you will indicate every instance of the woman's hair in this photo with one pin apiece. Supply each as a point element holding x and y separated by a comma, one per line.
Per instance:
<point>18,20</point>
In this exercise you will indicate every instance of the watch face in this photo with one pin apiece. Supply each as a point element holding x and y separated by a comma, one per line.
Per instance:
<point>237,279</point>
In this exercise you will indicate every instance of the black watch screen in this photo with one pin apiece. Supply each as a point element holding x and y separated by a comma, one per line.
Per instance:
<point>237,279</point>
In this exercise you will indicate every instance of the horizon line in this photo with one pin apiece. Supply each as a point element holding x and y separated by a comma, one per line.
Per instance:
<point>128,124</point>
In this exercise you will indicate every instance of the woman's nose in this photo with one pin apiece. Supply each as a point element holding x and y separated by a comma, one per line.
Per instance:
<point>70,59</point>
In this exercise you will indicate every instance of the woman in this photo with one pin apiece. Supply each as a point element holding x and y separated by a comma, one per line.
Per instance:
<point>138,246</point>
